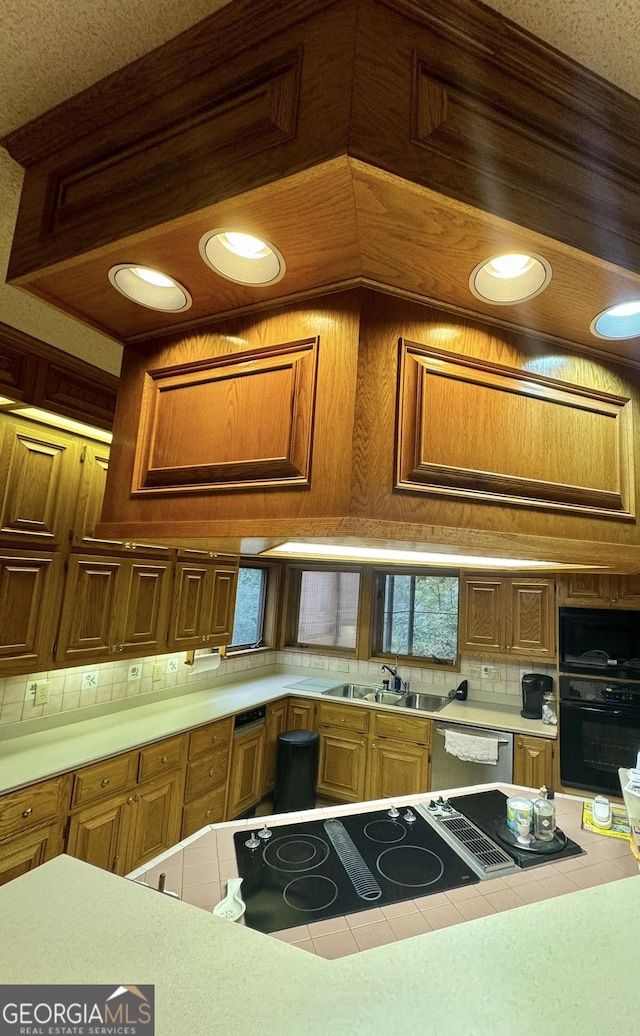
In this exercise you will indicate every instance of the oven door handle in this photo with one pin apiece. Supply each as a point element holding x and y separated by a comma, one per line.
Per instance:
<point>601,709</point>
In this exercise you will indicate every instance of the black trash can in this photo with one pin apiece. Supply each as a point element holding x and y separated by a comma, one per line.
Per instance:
<point>296,771</point>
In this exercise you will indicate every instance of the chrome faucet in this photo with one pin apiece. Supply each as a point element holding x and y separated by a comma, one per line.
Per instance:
<point>399,685</point>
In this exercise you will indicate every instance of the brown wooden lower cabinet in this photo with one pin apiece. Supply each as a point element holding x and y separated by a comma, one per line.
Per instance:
<point>342,766</point>
<point>247,772</point>
<point>397,768</point>
<point>24,852</point>
<point>533,761</point>
<point>277,723</point>
<point>205,792</point>
<point>301,714</point>
<point>31,826</point>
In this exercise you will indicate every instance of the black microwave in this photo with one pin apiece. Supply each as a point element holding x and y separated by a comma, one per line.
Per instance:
<point>600,642</point>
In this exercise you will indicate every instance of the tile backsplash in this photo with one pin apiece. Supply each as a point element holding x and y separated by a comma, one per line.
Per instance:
<point>81,687</point>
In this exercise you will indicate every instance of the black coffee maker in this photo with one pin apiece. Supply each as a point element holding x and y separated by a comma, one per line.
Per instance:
<point>534,686</point>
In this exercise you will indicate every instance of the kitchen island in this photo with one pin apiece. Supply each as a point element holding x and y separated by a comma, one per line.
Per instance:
<point>560,965</point>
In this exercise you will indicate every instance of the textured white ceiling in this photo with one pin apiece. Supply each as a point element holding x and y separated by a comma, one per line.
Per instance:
<point>52,49</point>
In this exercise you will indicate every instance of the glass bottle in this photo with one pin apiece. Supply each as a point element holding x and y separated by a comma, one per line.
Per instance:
<point>544,818</point>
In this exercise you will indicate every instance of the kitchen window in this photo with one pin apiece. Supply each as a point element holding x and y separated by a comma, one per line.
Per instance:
<point>323,608</point>
<point>416,616</point>
<point>254,616</point>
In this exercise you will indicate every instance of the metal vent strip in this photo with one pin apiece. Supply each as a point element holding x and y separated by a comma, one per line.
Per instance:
<point>489,856</point>
<point>359,874</point>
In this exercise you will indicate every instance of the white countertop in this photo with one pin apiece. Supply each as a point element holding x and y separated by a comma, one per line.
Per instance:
<point>562,966</point>
<point>64,745</point>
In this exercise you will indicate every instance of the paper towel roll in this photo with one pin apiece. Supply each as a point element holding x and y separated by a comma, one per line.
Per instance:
<point>205,661</point>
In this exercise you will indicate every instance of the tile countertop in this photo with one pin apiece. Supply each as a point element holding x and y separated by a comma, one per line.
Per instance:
<point>64,744</point>
<point>563,965</point>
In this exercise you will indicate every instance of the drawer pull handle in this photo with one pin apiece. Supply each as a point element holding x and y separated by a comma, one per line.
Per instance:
<point>27,812</point>
<point>164,759</point>
<point>105,782</point>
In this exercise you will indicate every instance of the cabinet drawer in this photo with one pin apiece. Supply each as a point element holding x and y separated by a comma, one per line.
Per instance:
<point>29,807</point>
<point>406,728</point>
<point>348,716</point>
<point>213,735</point>
<point>108,777</point>
<point>205,774</point>
<point>161,757</point>
<point>206,809</point>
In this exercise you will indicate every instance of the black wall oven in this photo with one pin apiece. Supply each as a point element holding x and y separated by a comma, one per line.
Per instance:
<point>599,732</point>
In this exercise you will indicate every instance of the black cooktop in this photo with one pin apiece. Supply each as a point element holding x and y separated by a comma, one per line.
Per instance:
<point>487,809</point>
<point>325,868</point>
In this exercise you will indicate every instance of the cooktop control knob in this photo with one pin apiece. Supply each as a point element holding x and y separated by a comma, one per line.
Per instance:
<point>440,802</point>
<point>432,805</point>
<point>253,842</point>
<point>393,813</point>
<point>409,817</point>
<point>265,834</point>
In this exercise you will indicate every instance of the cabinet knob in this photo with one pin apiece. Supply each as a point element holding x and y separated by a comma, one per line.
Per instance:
<point>105,782</point>
<point>208,814</point>
<point>164,759</point>
<point>519,744</point>
<point>212,773</point>
<point>361,743</point>
<point>130,546</point>
<point>130,800</point>
<point>374,745</point>
<point>27,812</point>
<point>203,638</point>
<point>214,738</point>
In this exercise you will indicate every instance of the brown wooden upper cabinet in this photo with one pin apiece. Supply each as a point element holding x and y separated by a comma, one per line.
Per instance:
<point>38,476</point>
<point>113,606</point>
<point>203,602</point>
<point>94,465</point>
<point>508,615</point>
<point>595,591</point>
<point>30,589</point>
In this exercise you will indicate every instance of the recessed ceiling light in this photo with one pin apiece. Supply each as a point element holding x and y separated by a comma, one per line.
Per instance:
<point>508,278</point>
<point>149,288</point>
<point>622,321</point>
<point>342,552</point>
<point>242,258</point>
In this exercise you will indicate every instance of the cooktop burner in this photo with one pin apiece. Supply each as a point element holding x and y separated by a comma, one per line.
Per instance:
<point>326,868</point>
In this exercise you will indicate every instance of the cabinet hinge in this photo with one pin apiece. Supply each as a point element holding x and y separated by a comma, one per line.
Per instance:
<point>83,455</point>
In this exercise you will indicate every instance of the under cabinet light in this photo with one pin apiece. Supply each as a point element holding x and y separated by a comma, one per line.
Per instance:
<point>242,258</point>
<point>342,552</point>
<point>621,321</point>
<point>149,288</point>
<point>510,278</point>
<point>67,424</point>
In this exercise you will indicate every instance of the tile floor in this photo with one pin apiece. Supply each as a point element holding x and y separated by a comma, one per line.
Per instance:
<point>197,870</point>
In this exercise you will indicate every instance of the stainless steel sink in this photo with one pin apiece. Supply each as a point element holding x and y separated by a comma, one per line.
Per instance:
<point>427,702</point>
<point>350,690</point>
<point>383,697</point>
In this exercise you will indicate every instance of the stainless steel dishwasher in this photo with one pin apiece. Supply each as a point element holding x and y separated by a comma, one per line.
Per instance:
<point>447,771</point>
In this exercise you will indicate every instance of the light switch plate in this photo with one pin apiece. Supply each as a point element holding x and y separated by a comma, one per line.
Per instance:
<point>475,672</point>
<point>157,673</point>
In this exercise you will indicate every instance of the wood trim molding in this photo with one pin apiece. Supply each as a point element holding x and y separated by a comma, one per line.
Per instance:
<point>202,426</point>
<point>578,440</point>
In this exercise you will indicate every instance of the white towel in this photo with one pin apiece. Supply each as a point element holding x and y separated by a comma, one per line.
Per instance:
<point>470,748</point>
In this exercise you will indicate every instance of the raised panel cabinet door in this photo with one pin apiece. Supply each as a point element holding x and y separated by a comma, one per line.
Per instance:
<point>483,614</point>
<point>625,591</point>
<point>245,786</point>
<point>342,766</point>
<point>30,589</point>
<point>38,476</point>
<point>94,464</point>
<point>301,714</point>
<point>277,717</point>
<point>142,608</point>
<point>191,605</point>
<point>578,588</point>
<point>87,630</point>
<point>531,618</point>
<point>533,762</point>
<point>99,835</point>
<point>157,820</point>
<point>23,853</point>
<point>397,768</point>
<point>223,602</point>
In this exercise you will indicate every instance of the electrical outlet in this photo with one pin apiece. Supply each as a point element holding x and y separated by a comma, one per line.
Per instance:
<point>135,672</point>
<point>489,672</point>
<point>158,671</point>
<point>42,692</point>
<point>172,665</point>
<point>90,680</point>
